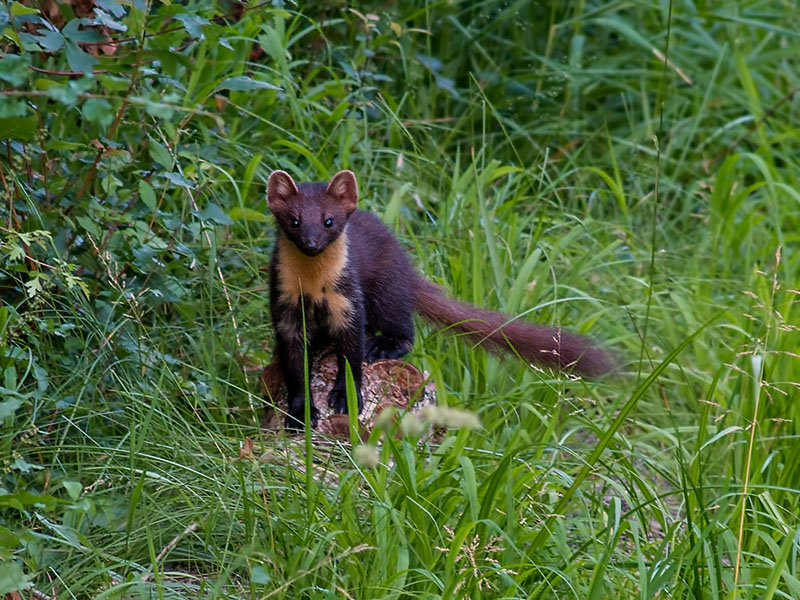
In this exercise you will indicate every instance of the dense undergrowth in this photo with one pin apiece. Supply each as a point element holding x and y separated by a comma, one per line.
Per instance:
<point>536,158</point>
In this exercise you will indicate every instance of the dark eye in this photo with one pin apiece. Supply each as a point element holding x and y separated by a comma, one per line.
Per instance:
<point>329,223</point>
<point>295,222</point>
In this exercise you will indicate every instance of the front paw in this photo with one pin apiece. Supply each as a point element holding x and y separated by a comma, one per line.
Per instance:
<point>295,419</point>
<point>337,398</point>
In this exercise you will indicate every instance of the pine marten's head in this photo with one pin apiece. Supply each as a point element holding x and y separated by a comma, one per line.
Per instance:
<point>312,215</point>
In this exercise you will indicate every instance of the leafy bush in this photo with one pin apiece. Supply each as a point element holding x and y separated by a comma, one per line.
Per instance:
<point>536,158</point>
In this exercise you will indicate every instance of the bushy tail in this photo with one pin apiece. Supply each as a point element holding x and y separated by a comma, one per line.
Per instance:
<point>495,331</point>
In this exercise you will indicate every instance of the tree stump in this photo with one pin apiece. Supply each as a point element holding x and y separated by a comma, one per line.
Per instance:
<point>386,383</point>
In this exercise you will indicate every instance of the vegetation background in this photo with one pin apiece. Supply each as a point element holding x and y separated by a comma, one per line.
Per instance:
<point>539,158</point>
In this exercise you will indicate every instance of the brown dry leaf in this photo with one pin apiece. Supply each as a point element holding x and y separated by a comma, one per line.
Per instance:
<point>246,451</point>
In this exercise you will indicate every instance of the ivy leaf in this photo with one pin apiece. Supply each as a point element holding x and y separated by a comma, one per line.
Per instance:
<point>113,6</point>
<point>147,194</point>
<point>14,69</point>
<point>50,41</point>
<point>78,59</point>
<point>17,128</point>
<point>97,110</point>
<point>243,83</point>
<point>71,32</point>
<point>29,43</point>
<point>12,577</point>
<point>105,19</point>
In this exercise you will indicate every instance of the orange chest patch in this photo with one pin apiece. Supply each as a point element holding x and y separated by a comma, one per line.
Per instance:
<point>314,277</point>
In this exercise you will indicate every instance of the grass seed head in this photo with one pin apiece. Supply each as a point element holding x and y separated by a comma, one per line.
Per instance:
<point>366,456</point>
<point>452,418</point>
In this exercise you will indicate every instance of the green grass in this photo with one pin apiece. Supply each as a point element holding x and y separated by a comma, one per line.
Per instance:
<point>534,158</point>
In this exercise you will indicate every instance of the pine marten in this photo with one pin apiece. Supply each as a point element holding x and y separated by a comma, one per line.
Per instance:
<point>341,273</point>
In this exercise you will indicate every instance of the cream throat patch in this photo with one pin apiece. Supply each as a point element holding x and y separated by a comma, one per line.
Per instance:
<point>315,277</point>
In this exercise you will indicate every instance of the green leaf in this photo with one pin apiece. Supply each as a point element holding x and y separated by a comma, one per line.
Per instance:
<point>179,180</point>
<point>23,466</point>
<point>272,44</point>
<point>78,59</point>
<point>49,41</point>
<point>11,107</point>
<point>34,285</point>
<point>89,225</point>
<point>65,94</point>
<point>247,214</point>
<point>14,69</point>
<point>15,252</point>
<point>160,154</point>
<point>7,538</point>
<point>213,212</point>
<point>12,577</point>
<point>243,83</point>
<point>193,24</point>
<point>103,18</point>
<point>20,500</point>
<point>99,111</point>
<point>18,129</point>
<point>30,43</point>
<point>18,10</point>
<point>779,566</point>
<point>71,32</point>
<point>112,6</point>
<point>147,194</point>
<point>8,407</point>
<point>259,575</point>
<point>158,106</point>
<point>42,380</point>
<point>74,489</point>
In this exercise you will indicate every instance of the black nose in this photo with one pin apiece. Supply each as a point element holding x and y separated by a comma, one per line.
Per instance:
<point>311,245</point>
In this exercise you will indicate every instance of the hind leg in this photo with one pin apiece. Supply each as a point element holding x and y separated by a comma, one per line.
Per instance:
<point>390,338</point>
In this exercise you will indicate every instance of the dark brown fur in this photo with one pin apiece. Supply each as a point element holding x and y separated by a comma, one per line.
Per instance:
<point>353,285</point>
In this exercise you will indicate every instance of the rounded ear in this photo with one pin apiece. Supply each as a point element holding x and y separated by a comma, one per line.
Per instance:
<point>280,188</point>
<point>344,188</point>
